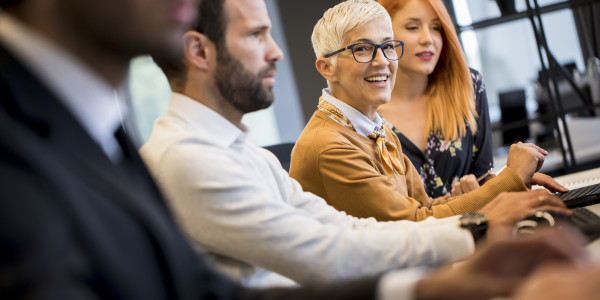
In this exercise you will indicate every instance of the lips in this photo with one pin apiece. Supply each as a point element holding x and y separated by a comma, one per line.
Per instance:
<point>425,54</point>
<point>377,78</point>
<point>270,74</point>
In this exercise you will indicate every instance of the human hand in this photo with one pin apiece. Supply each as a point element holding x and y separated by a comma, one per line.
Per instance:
<point>525,159</point>
<point>466,184</point>
<point>507,208</point>
<point>548,182</point>
<point>498,268</point>
<point>440,200</point>
<point>558,281</point>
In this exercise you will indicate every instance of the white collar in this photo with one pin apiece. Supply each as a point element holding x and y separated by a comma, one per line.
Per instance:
<point>205,122</point>
<point>92,101</point>
<point>363,125</point>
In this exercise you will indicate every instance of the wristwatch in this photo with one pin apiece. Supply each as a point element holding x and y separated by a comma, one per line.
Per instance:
<point>476,223</point>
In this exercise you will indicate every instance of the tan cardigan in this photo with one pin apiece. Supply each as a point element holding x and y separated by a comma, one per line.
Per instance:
<point>343,167</point>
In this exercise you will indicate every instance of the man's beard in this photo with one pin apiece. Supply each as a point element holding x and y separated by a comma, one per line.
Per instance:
<point>240,87</point>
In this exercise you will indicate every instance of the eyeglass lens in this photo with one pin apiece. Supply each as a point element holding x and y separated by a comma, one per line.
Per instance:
<point>365,52</point>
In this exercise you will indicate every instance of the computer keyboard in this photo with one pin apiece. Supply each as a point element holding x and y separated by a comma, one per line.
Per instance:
<point>587,221</point>
<point>583,216</point>
<point>582,196</point>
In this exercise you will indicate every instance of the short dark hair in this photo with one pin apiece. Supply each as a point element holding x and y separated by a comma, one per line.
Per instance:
<point>211,22</point>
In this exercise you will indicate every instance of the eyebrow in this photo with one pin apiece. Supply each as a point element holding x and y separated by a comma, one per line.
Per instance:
<point>259,28</point>
<point>365,40</point>
<point>419,20</point>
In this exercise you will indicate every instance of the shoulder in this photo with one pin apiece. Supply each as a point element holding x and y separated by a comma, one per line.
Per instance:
<point>476,76</point>
<point>323,134</point>
<point>173,149</point>
<point>477,79</point>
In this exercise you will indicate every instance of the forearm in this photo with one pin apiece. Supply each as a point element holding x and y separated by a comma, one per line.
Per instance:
<point>289,232</point>
<point>362,190</point>
<point>507,181</point>
<point>295,245</point>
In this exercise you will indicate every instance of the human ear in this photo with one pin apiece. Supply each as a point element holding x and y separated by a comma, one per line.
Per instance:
<point>326,69</point>
<point>198,50</point>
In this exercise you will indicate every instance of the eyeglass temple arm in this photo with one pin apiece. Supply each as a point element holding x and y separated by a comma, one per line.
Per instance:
<point>336,52</point>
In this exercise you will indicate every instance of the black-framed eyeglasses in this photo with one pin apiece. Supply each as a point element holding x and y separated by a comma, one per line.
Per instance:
<point>365,52</point>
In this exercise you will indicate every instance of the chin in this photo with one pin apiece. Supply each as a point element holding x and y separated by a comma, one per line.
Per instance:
<point>382,100</point>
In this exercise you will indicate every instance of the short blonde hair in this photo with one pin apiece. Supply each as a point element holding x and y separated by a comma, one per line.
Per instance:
<point>329,32</point>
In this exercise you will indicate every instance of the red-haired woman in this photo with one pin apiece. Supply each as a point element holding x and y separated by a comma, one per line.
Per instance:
<point>438,107</point>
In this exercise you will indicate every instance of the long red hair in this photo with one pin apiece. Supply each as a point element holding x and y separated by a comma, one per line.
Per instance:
<point>450,91</point>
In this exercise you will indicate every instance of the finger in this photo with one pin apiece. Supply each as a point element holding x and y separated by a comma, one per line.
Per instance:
<point>536,194</point>
<point>548,200</point>
<point>440,199</point>
<point>540,162</point>
<point>548,183</point>
<point>537,198</point>
<point>471,182</point>
<point>457,190</point>
<point>553,200</point>
<point>464,184</point>
<point>537,148</point>
<point>558,209</point>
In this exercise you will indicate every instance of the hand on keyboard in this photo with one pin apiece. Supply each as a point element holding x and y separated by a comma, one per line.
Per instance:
<point>583,219</point>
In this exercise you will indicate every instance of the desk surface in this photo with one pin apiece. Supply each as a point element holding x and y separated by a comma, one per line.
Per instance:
<point>580,179</point>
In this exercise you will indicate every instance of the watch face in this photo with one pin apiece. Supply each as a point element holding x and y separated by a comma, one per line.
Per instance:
<point>473,218</point>
<point>476,223</point>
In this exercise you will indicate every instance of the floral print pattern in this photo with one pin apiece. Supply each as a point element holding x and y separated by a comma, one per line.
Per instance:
<point>443,163</point>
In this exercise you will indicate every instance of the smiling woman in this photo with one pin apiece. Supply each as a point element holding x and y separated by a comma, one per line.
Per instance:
<point>364,84</point>
<point>346,154</point>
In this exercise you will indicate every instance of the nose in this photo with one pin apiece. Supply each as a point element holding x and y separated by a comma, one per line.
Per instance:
<point>274,53</point>
<point>380,58</point>
<point>425,36</point>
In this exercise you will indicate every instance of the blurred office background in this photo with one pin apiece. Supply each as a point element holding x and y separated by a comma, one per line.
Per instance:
<point>502,46</point>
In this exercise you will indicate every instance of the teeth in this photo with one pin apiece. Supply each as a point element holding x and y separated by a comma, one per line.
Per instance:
<point>376,78</point>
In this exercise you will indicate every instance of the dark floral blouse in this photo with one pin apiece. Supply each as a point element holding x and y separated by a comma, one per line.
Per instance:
<point>444,162</point>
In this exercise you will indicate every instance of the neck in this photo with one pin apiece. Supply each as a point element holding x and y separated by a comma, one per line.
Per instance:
<point>209,96</point>
<point>409,88</point>
<point>367,110</point>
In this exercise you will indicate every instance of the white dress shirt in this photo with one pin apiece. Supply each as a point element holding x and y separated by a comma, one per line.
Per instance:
<point>92,101</point>
<point>236,201</point>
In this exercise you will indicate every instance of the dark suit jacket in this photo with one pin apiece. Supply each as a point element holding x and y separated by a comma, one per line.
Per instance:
<point>73,225</point>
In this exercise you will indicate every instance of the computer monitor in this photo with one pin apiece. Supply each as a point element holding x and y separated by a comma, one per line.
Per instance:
<point>512,107</point>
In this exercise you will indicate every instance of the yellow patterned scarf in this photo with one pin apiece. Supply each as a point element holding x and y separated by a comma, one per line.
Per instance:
<point>388,153</point>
